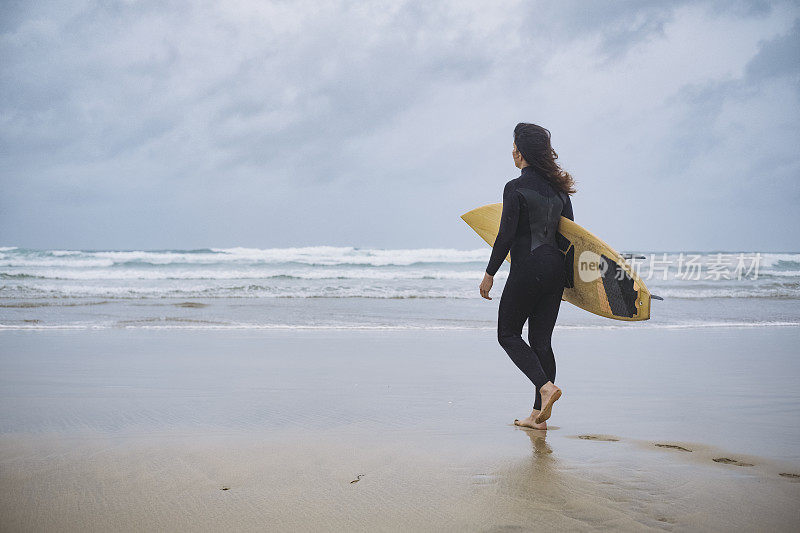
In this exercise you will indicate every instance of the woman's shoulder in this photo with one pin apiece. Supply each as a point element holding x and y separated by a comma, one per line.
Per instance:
<point>512,184</point>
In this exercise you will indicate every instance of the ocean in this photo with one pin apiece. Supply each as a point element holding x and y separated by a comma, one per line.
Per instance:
<point>345,287</point>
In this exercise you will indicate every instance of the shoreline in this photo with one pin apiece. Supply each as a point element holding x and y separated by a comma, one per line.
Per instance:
<point>324,327</point>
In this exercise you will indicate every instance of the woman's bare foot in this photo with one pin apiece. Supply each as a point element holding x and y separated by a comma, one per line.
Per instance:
<point>530,422</point>
<point>550,393</point>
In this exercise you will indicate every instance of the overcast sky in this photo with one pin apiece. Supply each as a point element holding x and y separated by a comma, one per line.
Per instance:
<point>156,124</point>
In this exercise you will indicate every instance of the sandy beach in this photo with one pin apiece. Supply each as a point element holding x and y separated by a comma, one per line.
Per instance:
<point>396,430</point>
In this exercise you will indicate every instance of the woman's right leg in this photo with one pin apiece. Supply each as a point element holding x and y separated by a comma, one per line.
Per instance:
<point>549,273</point>
<point>541,322</point>
<point>514,310</point>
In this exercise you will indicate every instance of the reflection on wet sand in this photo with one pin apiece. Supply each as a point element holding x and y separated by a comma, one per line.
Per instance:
<point>542,491</point>
<point>632,486</point>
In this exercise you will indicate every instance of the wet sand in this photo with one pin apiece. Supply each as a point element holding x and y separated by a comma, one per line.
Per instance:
<point>398,430</point>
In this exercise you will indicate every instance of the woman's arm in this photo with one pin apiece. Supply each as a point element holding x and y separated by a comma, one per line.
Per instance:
<point>508,227</point>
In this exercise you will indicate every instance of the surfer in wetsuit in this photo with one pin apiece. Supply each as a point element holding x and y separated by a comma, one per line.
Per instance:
<point>532,206</point>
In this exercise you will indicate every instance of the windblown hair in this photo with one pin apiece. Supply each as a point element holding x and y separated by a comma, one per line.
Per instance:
<point>533,142</point>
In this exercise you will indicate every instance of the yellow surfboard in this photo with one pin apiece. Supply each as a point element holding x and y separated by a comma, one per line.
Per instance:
<point>602,282</point>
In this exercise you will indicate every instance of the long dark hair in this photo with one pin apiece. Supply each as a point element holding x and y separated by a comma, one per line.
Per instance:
<point>533,142</point>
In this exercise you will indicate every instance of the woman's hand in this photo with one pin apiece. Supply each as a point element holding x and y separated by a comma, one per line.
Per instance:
<point>486,285</point>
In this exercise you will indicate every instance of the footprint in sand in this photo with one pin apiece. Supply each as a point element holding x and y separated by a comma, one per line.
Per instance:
<point>484,479</point>
<point>673,447</point>
<point>606,438</point>
<point>727,461</point>
<point>789,475</point>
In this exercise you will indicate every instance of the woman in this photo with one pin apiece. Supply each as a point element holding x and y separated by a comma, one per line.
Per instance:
<point>533,204</point>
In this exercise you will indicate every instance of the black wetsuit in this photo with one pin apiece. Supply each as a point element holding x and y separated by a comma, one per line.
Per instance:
<point>531,212</point>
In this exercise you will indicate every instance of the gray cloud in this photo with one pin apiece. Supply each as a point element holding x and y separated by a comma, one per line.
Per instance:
<point>153,124</point>
<point>777,57</point>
